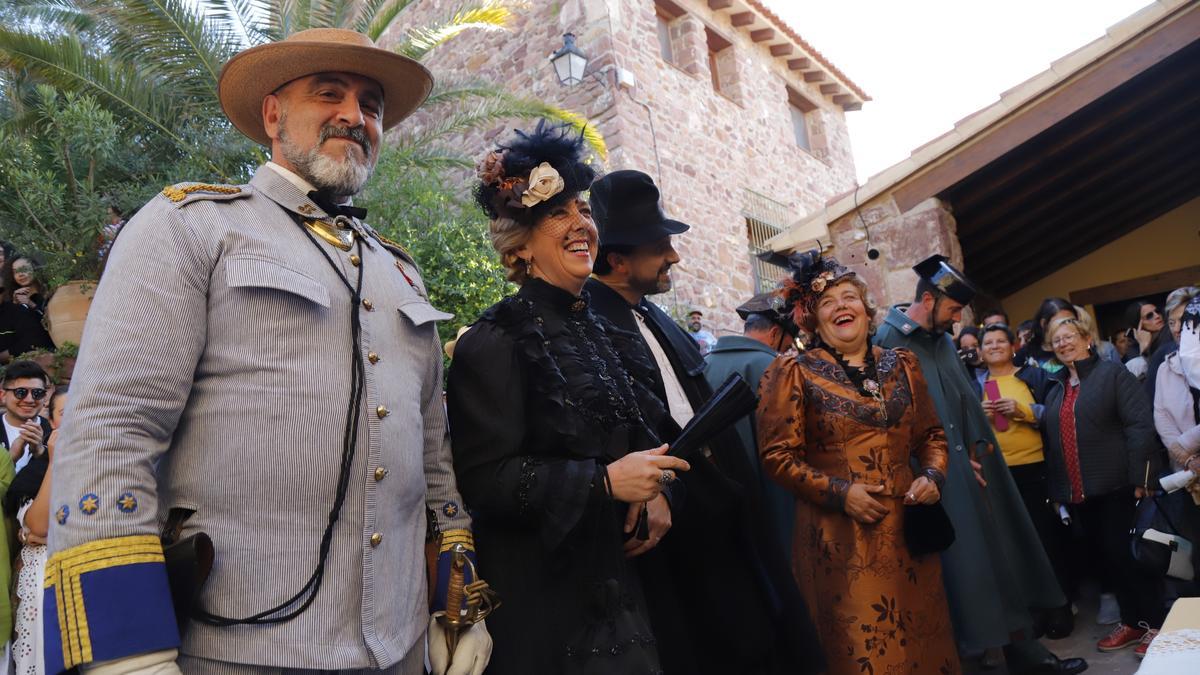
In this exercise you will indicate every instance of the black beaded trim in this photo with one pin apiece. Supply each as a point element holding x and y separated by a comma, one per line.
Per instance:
<point>526,483</point>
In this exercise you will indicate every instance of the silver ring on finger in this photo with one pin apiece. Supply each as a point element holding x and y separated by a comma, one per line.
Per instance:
<point>665,478</point>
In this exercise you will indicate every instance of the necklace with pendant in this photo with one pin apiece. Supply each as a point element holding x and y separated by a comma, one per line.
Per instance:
<point>864,378</point>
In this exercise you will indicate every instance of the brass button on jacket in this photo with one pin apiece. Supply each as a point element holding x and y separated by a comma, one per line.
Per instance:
<point>382,411</point>
<point>380,473</point>
<point>355,260</point>
<point>376,539</point>
<point>372,357</point>
<point>368,304</point>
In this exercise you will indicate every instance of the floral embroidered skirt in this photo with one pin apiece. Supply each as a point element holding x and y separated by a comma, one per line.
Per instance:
<point>878,610</point>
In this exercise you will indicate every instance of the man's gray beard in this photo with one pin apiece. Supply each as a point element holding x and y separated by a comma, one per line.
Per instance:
<point>345,178</point>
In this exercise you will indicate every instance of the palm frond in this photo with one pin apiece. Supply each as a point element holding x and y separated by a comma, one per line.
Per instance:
<point>591,134</point>
<point>332,13</point>
<point>170,39</point>
<point>246,15</point>
<point>51,14</point>
<point>460,107</point>
<point>64,63</point>
<point>426,158</point>
<point>486,15</point>
<point>382,19</point>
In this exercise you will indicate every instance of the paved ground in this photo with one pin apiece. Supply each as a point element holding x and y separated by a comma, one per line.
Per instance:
<point>1082,643</point>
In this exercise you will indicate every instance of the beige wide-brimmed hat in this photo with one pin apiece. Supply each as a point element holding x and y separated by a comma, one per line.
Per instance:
<point>258,71</point>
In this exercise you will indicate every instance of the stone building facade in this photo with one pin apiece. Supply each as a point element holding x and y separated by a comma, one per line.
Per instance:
<point>740,122</point>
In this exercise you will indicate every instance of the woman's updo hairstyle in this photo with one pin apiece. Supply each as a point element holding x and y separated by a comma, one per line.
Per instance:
<point>520,182</point>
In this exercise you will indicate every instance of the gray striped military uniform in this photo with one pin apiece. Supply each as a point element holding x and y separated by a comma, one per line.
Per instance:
<point>214,376</point>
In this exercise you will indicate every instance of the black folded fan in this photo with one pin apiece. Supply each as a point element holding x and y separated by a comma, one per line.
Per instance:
<point>731,401</point>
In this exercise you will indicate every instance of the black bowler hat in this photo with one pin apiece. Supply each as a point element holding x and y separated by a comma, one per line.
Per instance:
<point>771,307</point>
<point>627,212</point>
<point>946,278</point>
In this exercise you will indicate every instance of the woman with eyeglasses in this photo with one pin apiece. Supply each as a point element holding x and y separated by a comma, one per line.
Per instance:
<point>1146,326</point>
<point>21,328</point>
<point>1099,436</point>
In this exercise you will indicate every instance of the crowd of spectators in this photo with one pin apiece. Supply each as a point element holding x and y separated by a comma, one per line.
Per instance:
<point>1087,426</point>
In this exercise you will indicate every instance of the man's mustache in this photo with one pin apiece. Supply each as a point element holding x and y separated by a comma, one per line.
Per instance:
<point>357,134</point>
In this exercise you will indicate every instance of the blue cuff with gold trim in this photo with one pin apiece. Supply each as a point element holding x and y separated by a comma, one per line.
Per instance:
<point>105,600</point>
<point>449,539</point>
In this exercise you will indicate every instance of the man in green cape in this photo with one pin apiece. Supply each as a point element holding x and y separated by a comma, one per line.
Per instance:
<point>996,572</point>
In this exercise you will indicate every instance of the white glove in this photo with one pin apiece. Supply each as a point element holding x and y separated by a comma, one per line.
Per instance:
<point>153,663</point>
<point>470,656</point>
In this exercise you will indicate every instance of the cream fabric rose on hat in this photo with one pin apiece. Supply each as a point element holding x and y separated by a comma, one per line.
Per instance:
<point>544,183</point>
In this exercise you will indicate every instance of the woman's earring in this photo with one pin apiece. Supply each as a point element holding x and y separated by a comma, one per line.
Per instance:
<point>528,266</point>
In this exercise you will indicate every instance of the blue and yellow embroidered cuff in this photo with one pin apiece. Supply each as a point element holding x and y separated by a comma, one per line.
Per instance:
<point>107,599</point>
<point>449,539</point>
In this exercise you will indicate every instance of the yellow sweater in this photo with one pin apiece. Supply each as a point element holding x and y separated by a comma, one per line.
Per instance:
<point>1021,443</point>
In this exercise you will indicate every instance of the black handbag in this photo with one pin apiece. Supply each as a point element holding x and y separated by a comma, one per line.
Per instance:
<point>927,529</point>
<point>1157,545</point>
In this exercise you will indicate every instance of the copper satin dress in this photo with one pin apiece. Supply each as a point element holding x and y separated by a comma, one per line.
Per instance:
<point>878,610</point>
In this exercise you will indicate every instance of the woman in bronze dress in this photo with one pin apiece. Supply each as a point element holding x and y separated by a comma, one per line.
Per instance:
<point>551,420</point>
<point>840,425</point>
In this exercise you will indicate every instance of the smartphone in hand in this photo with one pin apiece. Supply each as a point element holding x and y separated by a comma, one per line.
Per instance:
<point>991,389</point>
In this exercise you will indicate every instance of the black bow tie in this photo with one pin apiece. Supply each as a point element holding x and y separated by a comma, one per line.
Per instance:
<point>324,199</point>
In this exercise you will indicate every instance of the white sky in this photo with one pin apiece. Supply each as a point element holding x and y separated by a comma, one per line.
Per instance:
<point>929,63</point>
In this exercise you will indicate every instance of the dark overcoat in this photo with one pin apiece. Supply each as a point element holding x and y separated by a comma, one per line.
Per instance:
<point>720,593</point>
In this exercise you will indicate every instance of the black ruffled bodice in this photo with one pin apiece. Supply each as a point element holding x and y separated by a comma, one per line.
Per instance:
<point>542,395</point>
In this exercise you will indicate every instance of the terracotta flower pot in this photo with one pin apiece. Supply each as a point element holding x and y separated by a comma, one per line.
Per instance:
<point>67,310</point>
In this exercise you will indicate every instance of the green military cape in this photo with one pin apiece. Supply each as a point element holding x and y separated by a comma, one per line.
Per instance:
<point>750,358</point>
<point>996,571</point>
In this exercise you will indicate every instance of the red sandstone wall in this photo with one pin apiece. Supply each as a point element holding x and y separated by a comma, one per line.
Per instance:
<point>711,146</point>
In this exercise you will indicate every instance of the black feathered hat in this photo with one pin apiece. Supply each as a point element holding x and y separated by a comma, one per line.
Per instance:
<point>533,173</point>
<point>811,274</point>
<point>954,284</point>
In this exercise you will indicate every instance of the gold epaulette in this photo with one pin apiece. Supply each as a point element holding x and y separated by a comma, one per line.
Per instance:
<point>180,192</point>
<point>392,243</point>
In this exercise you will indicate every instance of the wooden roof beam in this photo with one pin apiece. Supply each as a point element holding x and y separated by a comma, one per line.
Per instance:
<point>741,19</point>
<point>720,4</point>
<point>782,49</point>
<point>828,89</point>
<point>800,64</point>
<point>762,34</point>
<point>815,76</point>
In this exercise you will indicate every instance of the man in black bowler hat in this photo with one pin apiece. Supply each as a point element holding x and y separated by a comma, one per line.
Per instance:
<point>766,333</point>
<point>721,560</point>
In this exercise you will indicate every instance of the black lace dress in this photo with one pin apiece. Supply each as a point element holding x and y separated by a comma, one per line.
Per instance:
<point>542,395</point>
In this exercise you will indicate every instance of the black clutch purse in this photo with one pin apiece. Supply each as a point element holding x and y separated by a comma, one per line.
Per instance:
<point>927,529</point>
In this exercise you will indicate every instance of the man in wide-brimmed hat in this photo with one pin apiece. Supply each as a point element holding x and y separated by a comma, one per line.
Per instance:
<point>263,368</point>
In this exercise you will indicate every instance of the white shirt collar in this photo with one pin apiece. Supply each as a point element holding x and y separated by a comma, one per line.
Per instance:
<point>304,186</point>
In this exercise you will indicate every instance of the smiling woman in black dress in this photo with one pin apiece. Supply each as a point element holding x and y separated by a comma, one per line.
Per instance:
<point>552,447</point>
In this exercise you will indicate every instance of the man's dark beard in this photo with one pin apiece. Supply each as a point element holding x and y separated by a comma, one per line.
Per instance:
<point>654,285</point>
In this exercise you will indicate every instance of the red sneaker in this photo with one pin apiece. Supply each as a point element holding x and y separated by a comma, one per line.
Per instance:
<point>1140,650</point>
<point>1121,637</point>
